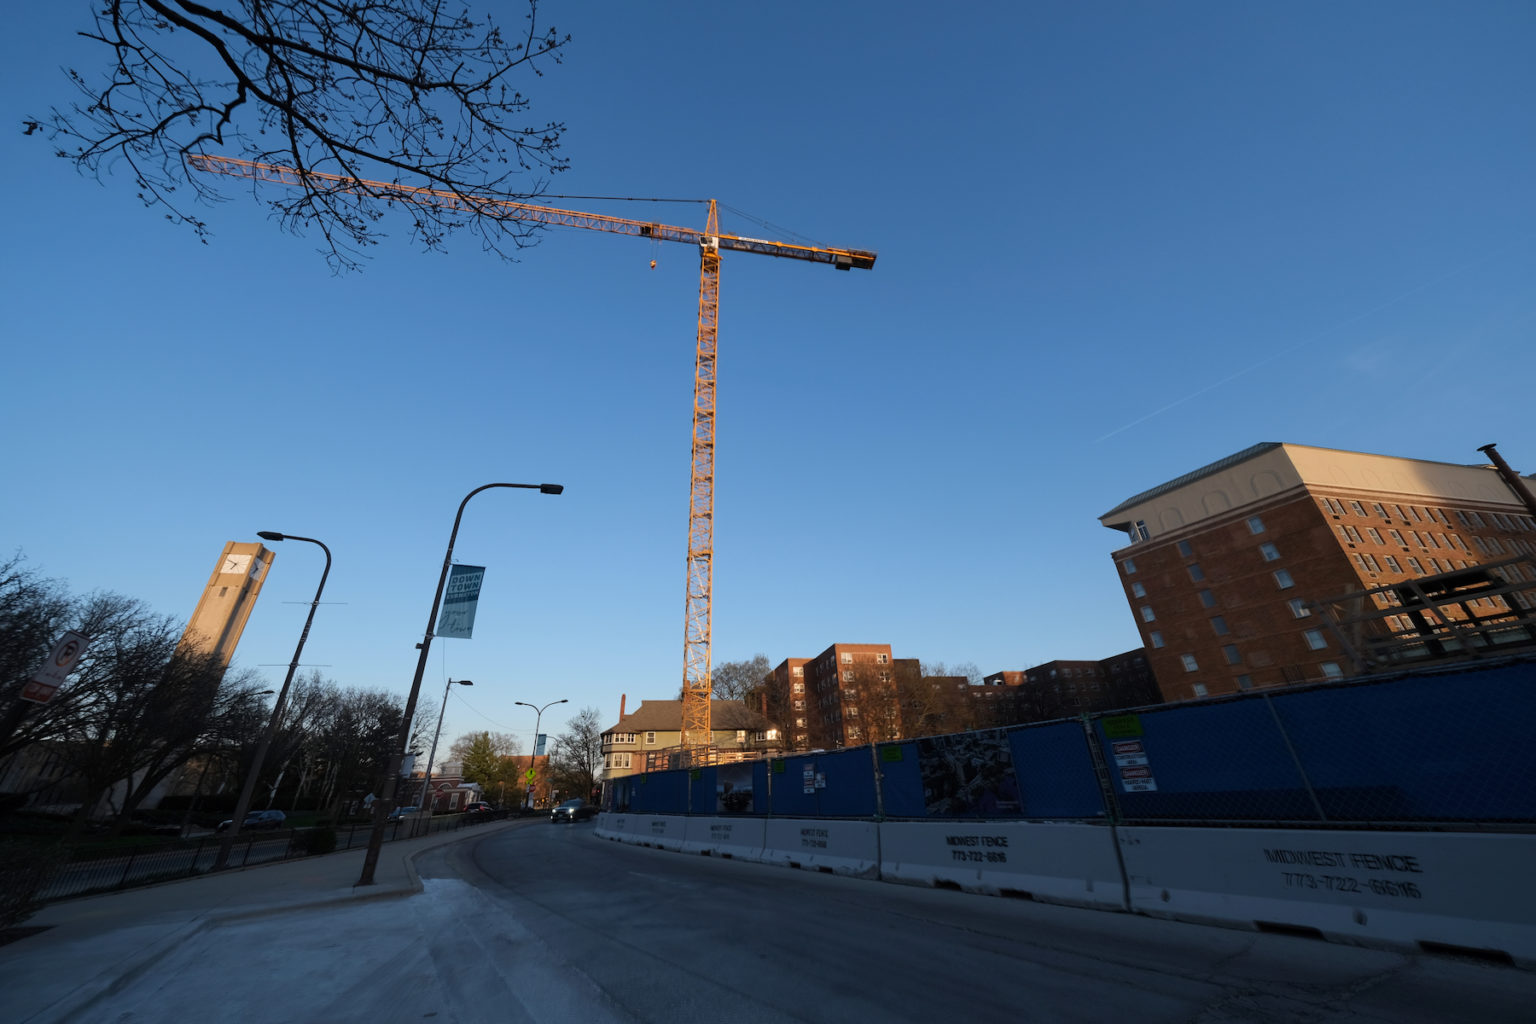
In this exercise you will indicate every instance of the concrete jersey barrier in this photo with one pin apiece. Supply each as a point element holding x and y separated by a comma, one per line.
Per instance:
<point>824,844</point>
<point>1406,890</point>
<point>737,837</point>
<point>1053,862</point>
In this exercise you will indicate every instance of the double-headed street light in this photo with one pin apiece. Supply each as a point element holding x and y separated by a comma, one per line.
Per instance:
<point>426,790</point>
<point>383,806</point>
<point>533,748</point>
<point>244,803</point>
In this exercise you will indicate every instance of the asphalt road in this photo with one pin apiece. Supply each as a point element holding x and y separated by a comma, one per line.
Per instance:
<point>543,922</point>
<point>640,934</point>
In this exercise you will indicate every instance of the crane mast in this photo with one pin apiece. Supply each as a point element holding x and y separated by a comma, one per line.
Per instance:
<point>696,732</point>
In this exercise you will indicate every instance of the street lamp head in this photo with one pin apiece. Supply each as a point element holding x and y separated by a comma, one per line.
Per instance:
<point>551,488</point>
<point>562,700</point>
<point>270,535</point>
<point>461,682</point>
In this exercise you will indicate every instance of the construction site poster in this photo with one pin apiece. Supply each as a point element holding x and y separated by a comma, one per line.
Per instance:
<point>968,775</point>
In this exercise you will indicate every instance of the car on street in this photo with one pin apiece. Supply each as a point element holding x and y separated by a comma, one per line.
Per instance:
<point>256,820</point>
<point>572,810</point>
<point>479,807</point>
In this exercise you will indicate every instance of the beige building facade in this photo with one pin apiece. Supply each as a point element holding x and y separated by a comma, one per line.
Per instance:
<point>1225,565</point>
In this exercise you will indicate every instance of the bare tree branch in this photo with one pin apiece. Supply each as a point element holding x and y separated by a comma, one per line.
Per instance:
<point>409,91</point>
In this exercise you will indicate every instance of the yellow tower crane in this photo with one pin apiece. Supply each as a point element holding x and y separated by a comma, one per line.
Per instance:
<point>696,735</point>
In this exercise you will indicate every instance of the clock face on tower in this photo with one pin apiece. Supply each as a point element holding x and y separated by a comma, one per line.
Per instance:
<point>236,564</point>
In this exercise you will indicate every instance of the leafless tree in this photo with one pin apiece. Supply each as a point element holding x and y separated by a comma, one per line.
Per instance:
<point>415,92</point>
<point>733,680</point>
<point>577,756</point>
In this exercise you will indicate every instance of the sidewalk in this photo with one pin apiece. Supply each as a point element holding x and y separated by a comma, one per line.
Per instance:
<point>93,946</point>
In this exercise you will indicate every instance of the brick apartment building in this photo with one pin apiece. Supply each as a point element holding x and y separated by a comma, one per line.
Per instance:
<point>845,696</point>
<point>1226,565</point>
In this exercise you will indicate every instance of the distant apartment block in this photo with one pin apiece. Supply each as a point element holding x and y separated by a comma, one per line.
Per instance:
<point>1063,688</point>
<point>1230,570</point>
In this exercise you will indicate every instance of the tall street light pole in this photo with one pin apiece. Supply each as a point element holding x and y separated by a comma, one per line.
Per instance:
<point>244,804</point>
<point>534,746</point>
<point>426,790</point>
<point>386,803</point>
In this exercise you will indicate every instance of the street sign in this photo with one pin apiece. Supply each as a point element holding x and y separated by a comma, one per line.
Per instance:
<point>46,681</point>
<point>531,774</point>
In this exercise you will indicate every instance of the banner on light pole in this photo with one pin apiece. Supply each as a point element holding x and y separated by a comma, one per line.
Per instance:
<point>460,601</point>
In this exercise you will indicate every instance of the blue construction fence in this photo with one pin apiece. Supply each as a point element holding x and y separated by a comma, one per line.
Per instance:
<point>1451,748</point>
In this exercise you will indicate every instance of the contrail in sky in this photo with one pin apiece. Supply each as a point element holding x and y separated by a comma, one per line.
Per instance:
<point>1399,297</point>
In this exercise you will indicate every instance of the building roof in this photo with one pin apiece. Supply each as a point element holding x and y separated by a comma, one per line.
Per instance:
<point>667,716</point>
<point>1190,477</point>
<point>1309,464</point>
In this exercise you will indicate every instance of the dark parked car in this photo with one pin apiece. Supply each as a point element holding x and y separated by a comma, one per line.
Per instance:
<point>572,810</point>
<point>256,819</point>
<point>478,808</point>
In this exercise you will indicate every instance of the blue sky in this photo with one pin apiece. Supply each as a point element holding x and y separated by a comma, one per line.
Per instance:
<point>1117,241</point>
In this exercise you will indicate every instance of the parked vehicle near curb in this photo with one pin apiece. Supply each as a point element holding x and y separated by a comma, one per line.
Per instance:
<point>256,820</point>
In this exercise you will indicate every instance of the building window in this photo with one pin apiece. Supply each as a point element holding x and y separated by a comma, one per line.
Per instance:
<point>1146,613</point>
<point>1315,639</point>
<point>1137,590</point>
<point>1185,549</point>
<point>1371,564</point>
<point>1128,566</point>
<point>799,705</point>
<point>741,736</point>
<point>1229,651</point>
<point>1331,670</point>
<point>1190,665</point>
<point>1269,551</point>
<point>1298,608</point>
<point>1255,524</point>
<point>1219,624</point>
<point>1198,689</point>
<point>1370,531</point>
<point>1196,573</point>
<point>1139,531</point>
<point>848,676</point>
<point>1207,599</point>
<point>1155,638</point>
<point>847,659</point>
<point>1418,570</point>
<point>1283,580</point>
<point>798,671</point>
<point>1359,508</point>
<point>1245,682</point>
<point>882,659</point>
<point>1376,506</point>
<point>1392,563</point>
<point>797,688</point>
<point>650,739</point>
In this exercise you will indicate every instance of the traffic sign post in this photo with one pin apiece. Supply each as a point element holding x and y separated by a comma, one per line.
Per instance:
<point>45,682</point>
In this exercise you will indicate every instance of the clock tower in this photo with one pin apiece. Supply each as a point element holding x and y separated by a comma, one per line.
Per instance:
<point>226,604</point>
